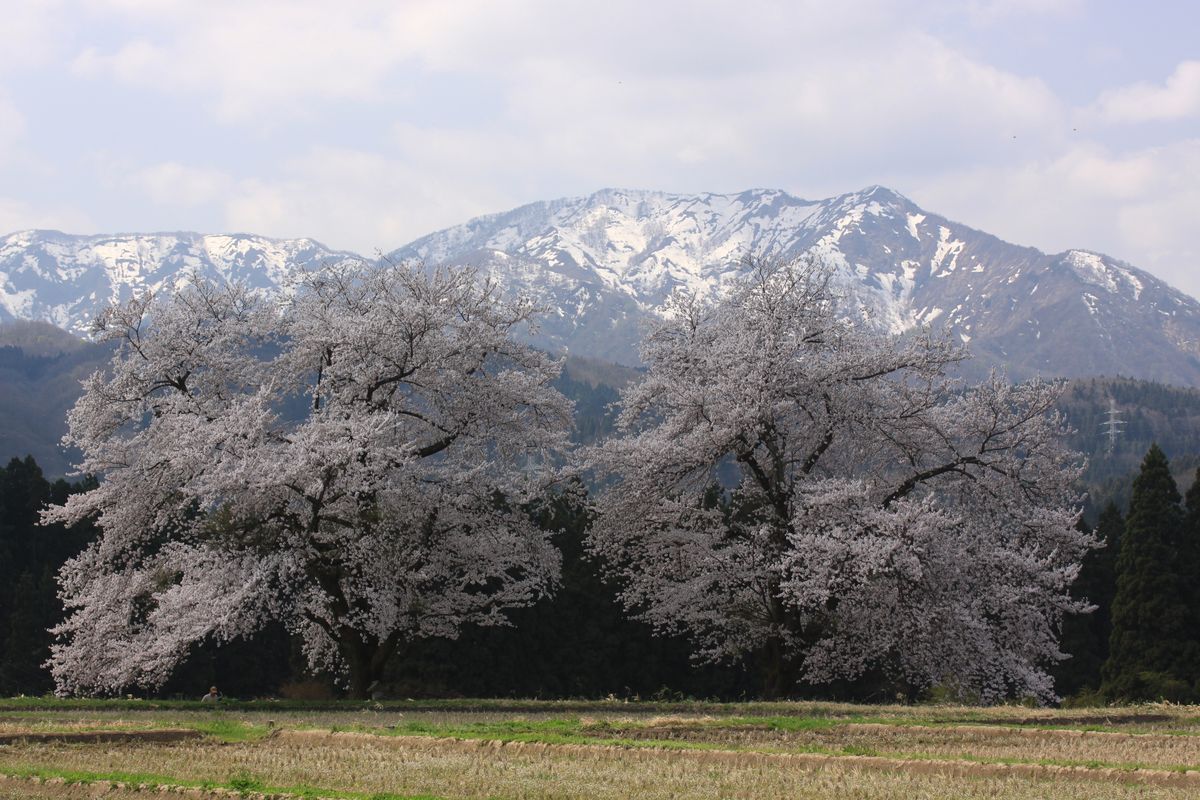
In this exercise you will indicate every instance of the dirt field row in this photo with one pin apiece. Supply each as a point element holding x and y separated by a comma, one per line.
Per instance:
<point>609,755</point>
<point>449,768</point>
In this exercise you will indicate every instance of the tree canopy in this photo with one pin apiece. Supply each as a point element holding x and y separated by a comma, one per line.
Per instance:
<point>354,459</point>
<point>879,514</point>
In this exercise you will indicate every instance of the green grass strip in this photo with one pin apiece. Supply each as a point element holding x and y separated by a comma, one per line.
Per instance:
<point>221,729</point>
<point>230,731</point>
<point>243,783</point>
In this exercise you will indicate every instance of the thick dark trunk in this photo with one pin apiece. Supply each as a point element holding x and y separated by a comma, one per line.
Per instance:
<point>366,657</point>
<point>362,681</point>
<point>779,673</point>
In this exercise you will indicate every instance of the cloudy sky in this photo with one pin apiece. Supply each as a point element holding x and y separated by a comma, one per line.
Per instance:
<point>364,124</point>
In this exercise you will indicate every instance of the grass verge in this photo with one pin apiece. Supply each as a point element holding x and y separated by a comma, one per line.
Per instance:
<point>241,782</point>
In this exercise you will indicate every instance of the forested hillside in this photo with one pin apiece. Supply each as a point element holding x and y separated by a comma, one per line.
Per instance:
<point>1146,413</point>
<point>40,370</point>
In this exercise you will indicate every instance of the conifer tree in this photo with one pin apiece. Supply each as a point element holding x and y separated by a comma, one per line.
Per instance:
<point>29,556</point>
<point>1189,563</point>
<point>1151,655</point>
<point>1085,636</point>
<point>27,644</point>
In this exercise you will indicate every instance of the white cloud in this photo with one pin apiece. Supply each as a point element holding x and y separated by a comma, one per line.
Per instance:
<point>1178,98</point>
<point>253,60</point>
<point>30,40</point>
<point>32,32</point>
<point>358,200</point>
<point>172,183</point>
<point>565,130</point>
<point>256,62</point>
<point>12,127</point>
<point>800,116</point>
<point>18,215</point>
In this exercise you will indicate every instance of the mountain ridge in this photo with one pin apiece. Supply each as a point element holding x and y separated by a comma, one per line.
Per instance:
<point>604,265</point>
<point>898,264</point>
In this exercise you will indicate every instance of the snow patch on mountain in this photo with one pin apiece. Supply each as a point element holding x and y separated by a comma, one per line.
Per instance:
<point>946,248</point>
<point>1101,271</point>
<point>17,304</point>
<point>912,221</point>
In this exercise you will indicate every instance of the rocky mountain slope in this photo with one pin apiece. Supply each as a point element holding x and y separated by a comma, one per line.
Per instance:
<point>603,265</point>
<point>54,277</point>
<point>605,261</point>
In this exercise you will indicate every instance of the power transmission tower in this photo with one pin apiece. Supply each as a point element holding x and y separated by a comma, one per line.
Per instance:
<point>1112,425</point>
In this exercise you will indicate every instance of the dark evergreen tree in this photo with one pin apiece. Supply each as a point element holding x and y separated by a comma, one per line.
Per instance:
<point>30,555</point>
<point>1085,636</point>
<point>1151,654</point>
<point>33,608</point>
<point>1189,563</point>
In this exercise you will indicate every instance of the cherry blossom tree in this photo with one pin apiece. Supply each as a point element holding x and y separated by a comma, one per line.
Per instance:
<point>878,513</point>
<point>354,459</point>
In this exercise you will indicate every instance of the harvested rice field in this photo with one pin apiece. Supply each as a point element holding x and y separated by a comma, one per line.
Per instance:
<point>504,749</point>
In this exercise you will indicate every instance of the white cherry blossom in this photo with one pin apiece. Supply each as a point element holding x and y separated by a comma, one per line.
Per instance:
<point>880,514</point>
<point>354,459</point>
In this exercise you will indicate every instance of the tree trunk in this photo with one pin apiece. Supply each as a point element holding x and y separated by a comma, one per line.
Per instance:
<point>361,679</point>
<point>366,658</point>
<point>779,673</point>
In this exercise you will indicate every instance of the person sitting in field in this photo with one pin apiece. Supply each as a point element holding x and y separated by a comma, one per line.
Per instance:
<point>213,696</point>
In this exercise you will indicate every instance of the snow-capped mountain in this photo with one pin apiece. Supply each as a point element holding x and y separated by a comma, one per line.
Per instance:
<point>54,277</point>
<point>604,264</point>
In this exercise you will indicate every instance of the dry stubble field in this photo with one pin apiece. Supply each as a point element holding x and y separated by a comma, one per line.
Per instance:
<point>484,749</point>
